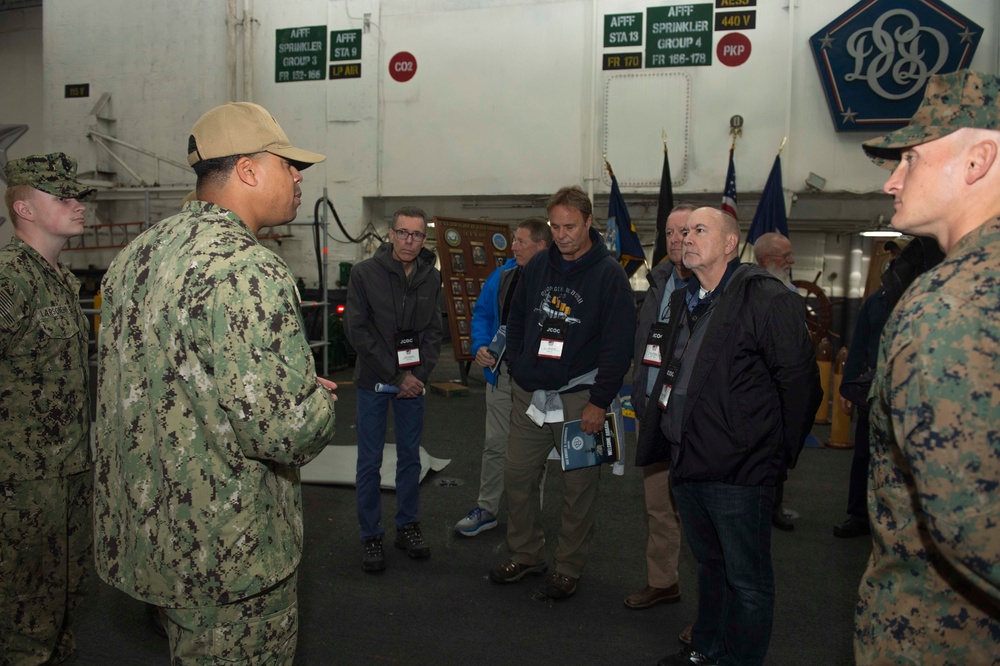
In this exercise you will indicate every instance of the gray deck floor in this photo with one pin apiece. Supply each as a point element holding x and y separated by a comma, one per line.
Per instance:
<point>445,610</point>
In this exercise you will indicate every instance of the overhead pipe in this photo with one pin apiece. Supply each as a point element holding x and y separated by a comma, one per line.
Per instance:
<point>231,62</point>
<point>248,65</point>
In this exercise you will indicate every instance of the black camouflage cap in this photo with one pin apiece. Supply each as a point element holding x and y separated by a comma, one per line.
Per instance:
<point>54,174</point>
<point>951,102</point>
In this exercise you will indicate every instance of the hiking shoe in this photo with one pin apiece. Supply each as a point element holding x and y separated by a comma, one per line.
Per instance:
<point>560,586</point>
<point>511,572</point>
<point>685,635</point>
<point>408,538</point>
<point>374,559</point>
<point>478,520</point>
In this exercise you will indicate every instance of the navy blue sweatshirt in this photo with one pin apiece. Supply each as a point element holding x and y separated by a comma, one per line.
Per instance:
<point>593,296</point>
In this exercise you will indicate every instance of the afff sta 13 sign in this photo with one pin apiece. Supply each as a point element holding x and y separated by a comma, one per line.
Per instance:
<point>874,59</point>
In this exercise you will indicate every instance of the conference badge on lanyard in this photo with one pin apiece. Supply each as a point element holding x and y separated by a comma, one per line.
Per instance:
<point>669,377</point>
<point>407,349</point>
<point>553,338</point>
<point>653,355</point>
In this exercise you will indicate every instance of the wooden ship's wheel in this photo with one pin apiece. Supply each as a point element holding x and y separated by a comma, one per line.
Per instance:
<point>819,311</point>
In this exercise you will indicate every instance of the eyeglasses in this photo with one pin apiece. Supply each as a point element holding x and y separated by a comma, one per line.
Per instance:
<point>405,235</point>
<point>786,256</point>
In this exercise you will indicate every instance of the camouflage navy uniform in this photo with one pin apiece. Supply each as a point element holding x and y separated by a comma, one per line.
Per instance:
<point>931,594</point>
<point>45,480</point>
<point>208,404</point>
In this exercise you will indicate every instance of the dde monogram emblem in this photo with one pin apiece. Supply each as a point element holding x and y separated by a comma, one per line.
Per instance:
<point>875,58</point>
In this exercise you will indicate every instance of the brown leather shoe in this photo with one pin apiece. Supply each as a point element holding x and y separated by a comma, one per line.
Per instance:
<point>650,596</point>
<point>559,586</point>
<point>685,637</point>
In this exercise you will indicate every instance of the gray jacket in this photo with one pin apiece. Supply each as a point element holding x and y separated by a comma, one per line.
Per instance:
<point>381,301</point>
<point>648,315</point>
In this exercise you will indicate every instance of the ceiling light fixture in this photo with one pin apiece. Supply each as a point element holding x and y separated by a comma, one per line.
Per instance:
<point>881,230</point>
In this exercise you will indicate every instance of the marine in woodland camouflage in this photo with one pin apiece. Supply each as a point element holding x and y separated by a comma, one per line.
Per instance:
<point>931,594</point>
<point>208,404</point>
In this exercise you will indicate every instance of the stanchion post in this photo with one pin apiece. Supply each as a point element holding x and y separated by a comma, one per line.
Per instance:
<point>824,359</point>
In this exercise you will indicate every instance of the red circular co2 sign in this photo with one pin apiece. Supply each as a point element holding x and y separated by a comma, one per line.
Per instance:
<point>733,49</point>
<point>402,66</point>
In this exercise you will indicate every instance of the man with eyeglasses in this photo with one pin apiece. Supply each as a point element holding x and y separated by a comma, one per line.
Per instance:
<point>773,252</point>
<point>393,321</point>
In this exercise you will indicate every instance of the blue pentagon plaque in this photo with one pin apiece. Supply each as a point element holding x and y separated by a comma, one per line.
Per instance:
<point>874,59</point>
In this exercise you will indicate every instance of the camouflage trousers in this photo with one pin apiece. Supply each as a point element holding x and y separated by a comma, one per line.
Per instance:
<point>46,552</point>
<point>262,629</point>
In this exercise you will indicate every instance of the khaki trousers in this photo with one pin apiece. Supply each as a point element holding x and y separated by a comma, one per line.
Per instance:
<point>663,546</point>
<point>527,451</point>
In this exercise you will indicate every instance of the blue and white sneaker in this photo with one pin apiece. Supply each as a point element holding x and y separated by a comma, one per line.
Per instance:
<point>478,520</point>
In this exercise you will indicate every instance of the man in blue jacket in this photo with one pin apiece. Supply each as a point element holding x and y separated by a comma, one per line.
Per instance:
<point>569,344</point>
<point>731,406</point>
<point>488,317</point>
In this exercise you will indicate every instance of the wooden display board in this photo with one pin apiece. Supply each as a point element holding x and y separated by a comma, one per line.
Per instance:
<point>469,251</point>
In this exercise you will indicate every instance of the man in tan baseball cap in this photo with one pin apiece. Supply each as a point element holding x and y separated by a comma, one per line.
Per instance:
<point>930,594</point>
<point>209,403</point>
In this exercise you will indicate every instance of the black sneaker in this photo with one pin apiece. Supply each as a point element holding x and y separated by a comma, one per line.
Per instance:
<point>408,538</point>
<point>374,560</point>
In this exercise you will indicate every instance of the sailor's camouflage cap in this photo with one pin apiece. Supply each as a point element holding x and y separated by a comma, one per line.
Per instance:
<point>951,102</point>
<point>54,174</point>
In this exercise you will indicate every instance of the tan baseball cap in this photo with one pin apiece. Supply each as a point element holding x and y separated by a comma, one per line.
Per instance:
<point>243,128</point>
<point>951,102</point>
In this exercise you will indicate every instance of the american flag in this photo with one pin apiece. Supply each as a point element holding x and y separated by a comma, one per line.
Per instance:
<point>729,194</point>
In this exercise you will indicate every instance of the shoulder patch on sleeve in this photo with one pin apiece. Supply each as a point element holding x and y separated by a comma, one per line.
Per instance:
<point>7,316</point>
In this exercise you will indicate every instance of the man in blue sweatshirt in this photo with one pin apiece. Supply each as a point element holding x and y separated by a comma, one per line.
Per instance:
<point>488,318</point>
<point>569,344</point>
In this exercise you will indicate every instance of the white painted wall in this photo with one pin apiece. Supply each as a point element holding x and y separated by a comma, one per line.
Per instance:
<point>508,103</point>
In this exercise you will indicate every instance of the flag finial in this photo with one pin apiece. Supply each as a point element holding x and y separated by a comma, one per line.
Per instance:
<point>736,128</point>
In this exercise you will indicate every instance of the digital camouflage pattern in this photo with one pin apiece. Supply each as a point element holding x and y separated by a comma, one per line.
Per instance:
<point>44,371</point>
<point>951,102</point>
<point>45,529</point>
<point>54,174</point>
<point>259,631</point>
<point>46,538</point>
<point>931,594</point>
<point>207,405</point>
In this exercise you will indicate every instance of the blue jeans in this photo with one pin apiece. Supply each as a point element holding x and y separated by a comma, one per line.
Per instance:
<point>408,418</point>
<point>729,530</point>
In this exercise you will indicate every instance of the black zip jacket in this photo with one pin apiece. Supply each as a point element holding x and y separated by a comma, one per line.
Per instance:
<point>381,303</point>
<point>753,392</point>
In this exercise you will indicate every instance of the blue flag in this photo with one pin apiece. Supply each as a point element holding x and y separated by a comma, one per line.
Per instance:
<point>770,214</point>
<point>729,194</point>
<point>622,239</point>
